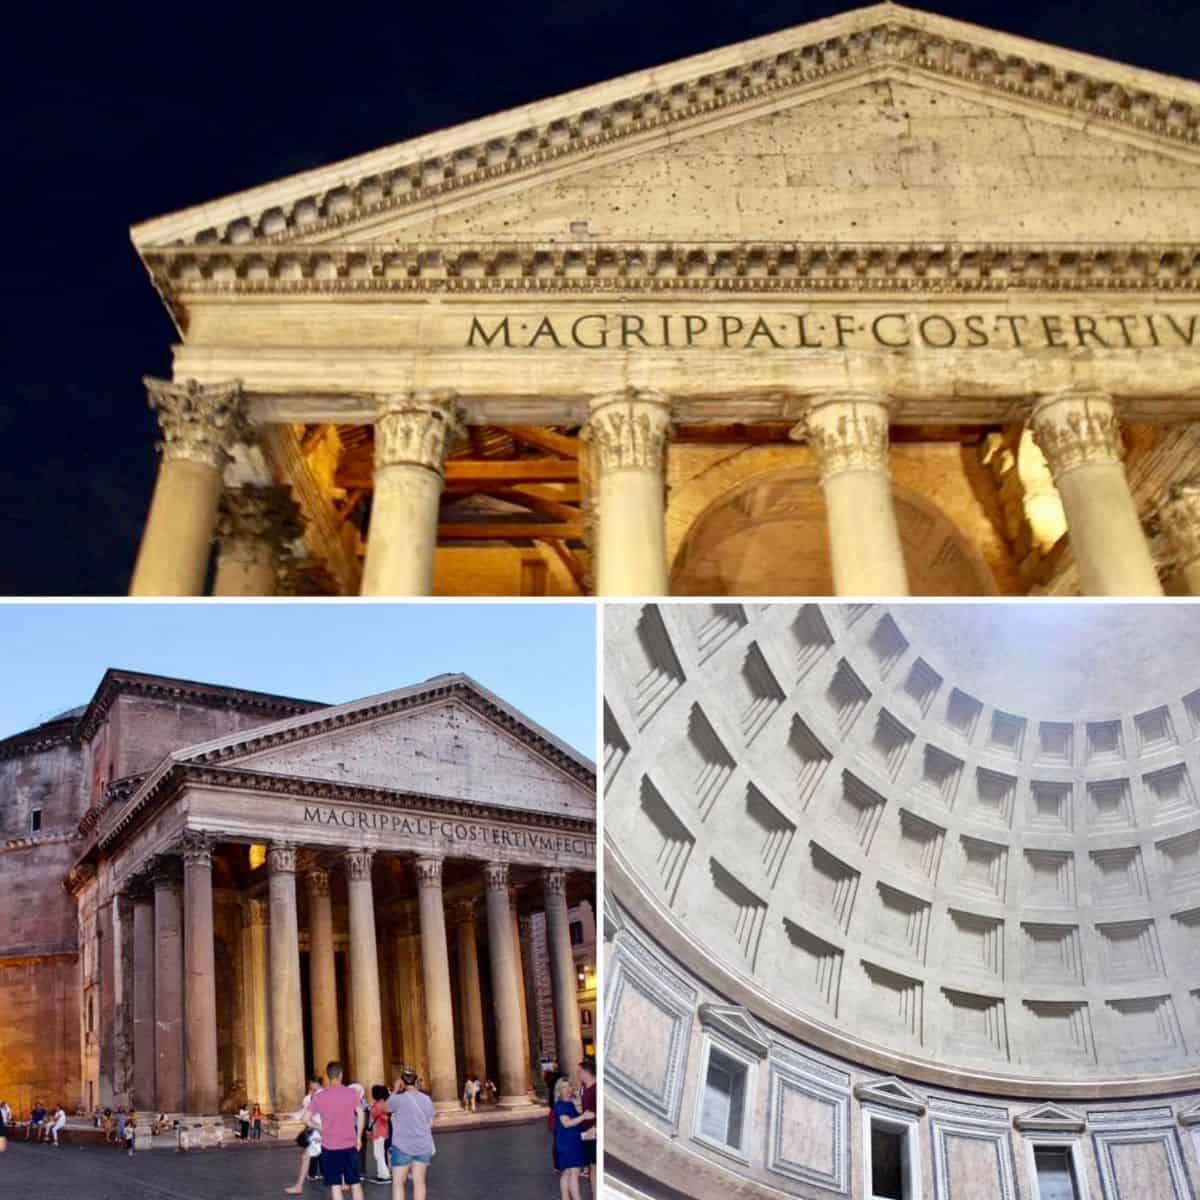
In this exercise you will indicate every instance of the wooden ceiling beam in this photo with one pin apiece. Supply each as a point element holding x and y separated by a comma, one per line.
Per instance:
<point>511,531</point>
<point>475,471</point>
<point>545,439</point>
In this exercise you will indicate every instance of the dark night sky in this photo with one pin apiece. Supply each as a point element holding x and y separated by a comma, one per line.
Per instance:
<point>117,117</point>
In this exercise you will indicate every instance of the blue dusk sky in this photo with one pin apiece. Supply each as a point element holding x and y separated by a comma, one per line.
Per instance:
<point>540,658</point>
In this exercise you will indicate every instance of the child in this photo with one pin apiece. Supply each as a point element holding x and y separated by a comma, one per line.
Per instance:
<point>130,1131</point>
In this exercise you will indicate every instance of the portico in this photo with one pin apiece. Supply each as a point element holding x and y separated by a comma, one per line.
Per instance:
<point>342,884</point>
<point>592,344</point>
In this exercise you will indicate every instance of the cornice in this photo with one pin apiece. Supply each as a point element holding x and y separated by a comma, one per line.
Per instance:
<point>36,741</point>
<point>479,155</point>
<point>34,840</point>
<point>757,268</point>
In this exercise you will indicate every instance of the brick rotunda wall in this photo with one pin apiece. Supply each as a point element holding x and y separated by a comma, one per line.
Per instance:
<point>818,829</point>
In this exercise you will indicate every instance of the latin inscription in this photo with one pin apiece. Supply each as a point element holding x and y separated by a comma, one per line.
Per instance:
<point>896,330</point>
<point>439,831</point>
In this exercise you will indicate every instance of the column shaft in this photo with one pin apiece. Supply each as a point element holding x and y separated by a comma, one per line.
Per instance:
<point>522,999</point>
<point>503,956</point>
<point>200,983</point>
<point>1181,519</point>
<point>468,982</point>
<point>562,973</point>
<point>168,987</point>
<point>413,434</point>
<point>243,570</point>
<point>256,1006</point>
<point>435,966</point>
<point>143,1001</point>
<point>628,434</point>
<point>848,434</point>
<point>322,972</point>
<point>255,525</point>
<point>364,970</point>
<point>287,1028</point>
<point>1080,436</point>
<point>411,988</point>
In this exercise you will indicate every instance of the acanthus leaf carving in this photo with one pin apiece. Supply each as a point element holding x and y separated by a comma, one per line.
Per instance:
<point>1075,429</point>
<point>417,429</point>
<point>629,431</point>
<point>199,422</point>
<point>847,433</point>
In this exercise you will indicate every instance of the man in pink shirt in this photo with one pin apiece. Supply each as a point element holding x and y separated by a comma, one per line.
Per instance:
<point>340,1110</point>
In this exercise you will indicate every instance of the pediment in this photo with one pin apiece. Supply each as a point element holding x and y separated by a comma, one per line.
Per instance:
<point>736,1024</point>
<point>891,1093</point>
<point>1190,1115</point>
<point>1050,1118</point>
<point>881,124</point>
<point>447,739</point>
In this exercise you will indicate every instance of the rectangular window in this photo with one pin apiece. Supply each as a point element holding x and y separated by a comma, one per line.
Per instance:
<point>35,821</point>
<point>576,933</point>
<point>724,1100</point>
<point>887,1163</point>
<point>893,1169</point>
<point>1055,1173</point>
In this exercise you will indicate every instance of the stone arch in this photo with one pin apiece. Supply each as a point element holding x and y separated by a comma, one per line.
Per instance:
<point>767,536</point>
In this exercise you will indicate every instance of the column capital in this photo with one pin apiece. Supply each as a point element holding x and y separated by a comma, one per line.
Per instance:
<point>139,888</point>
<point>1180,516</point>
<point>199,422</point>
<point>629,429</point>
<point>196,848</point>
<point>462,912</point>
<point>429,872</point>
<point>554,881</point>
<point>357,862</point>
<point>416,429</point>
<point>316,880</point>
<point>281,858</point>
<point>495,876</point>
<point>847,431</point>
<point>268,516</point>
<point>1076,428</point>
<point>256,911</point>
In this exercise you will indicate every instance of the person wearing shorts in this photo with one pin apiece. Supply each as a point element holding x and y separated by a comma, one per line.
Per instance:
<point>412,1116</point>
<point>59,1123</point>
<point>341,1114</point>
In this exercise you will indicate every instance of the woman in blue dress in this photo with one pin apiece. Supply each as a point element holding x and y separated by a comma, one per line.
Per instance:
<point>569,1154</point>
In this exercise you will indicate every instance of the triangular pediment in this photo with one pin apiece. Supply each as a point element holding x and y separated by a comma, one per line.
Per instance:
<point>891,1093</point>
<point>447,738</point>
<point>881,124</point>
<point>1050,1118</point>
<point>736,1024</point>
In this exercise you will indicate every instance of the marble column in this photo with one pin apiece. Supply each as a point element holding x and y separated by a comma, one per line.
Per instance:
<point>199,423</point>
<point>1080,436</point>
<point>367,1047</point>
<point>435,966</point>
<point>414,1046</point>
<point>255,526</point>
<point>628,433</point>
<point>522,1000</point>
<point>848,434</point>
<point>467,942</point>
<point>143,996</point>
<point>1180,516</point>
<point>322,971</point>
<point>287,1025</point>
<point>168,985</point>
<point>532,1016</point>
<point>413,434</point>
<point>255,1003</point>
<point>503,958</point>
<point>562,972</point>
<point>200,979</point>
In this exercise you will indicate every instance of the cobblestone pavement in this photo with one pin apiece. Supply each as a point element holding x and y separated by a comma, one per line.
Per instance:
<point>511,1163</point>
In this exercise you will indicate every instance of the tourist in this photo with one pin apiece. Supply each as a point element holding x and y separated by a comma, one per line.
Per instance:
<point>380,1130</point>
<point>37,1119</point>
<point>412,1115</point>
<point>470,1092</point>
<point>161,1124</point>
<point>587,1098</point>
<point>243,1120</point>
<point>130,1132</point>
<point>58,1122</point>
<point>122,1120</point>
<point>569,1157</point>
<point>5,1117</point>
<point>110,1125</point>
<point>308,1139</point>
<point>256,1117</point>
<point>339,1109</point>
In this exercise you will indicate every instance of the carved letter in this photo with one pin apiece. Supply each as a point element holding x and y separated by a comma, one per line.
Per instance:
<point>477,329</point>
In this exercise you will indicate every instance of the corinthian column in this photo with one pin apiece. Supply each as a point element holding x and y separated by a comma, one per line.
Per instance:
<point>1080,436</point>
<point>413,434</point>
<point>199,973</point>
<point>255,1005</point>
<point>503,955</point>
<point>628,435</point>
<point>468,983</point>
<point>287,1027</point>
<point>143,996</point>
<point>322,973</point>
<point>254,526</point>
<point>848,433</point>
<point>435,966</point>
<point>199,423</point>
<point>1180,515</point>
<point>364,969</point>
<point>168,986</point>
<point>562,972</point>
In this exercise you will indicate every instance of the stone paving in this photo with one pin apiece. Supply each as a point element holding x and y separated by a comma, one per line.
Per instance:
<point>506,1163</point>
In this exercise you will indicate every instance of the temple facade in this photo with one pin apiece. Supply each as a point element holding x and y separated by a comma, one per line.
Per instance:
<point>211,892</point>
<point>885,303</point>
